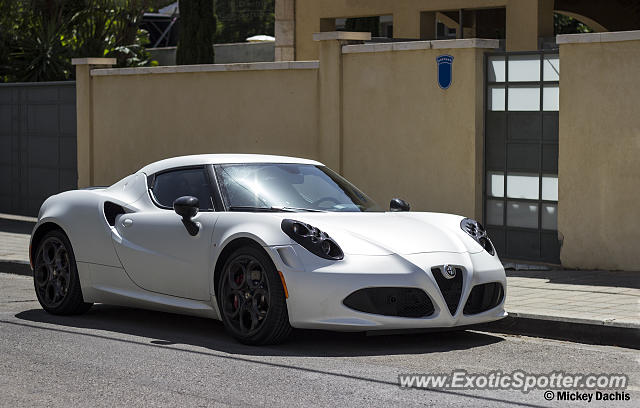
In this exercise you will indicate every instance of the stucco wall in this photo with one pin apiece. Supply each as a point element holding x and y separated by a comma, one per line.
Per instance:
<point>405,137</point>
<point>138,119</point>
<point>391,129</point>
<point>599,154</point>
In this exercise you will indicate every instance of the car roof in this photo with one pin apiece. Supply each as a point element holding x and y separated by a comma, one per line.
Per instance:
<point>201,159</point>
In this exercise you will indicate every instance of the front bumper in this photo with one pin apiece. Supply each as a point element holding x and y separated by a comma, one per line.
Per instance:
<point>318,287</point>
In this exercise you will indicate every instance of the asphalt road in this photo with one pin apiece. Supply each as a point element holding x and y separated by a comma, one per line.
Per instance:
<point>115,356</point>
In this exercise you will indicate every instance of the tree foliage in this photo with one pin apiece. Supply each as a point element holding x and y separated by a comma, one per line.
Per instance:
<point>32,43</point>
<point>567,25</point>
<point>240,19</point>
<point>38,38</point>
<point>197,31</point>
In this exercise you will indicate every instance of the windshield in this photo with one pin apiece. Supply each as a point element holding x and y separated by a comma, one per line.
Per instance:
<point>289,187</point>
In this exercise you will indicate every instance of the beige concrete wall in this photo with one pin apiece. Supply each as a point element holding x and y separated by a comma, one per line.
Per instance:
<point>599,154</point>
<point>526,19</point>
<point>405,137</point>
<point>138,119</point>
<point>377,117</point>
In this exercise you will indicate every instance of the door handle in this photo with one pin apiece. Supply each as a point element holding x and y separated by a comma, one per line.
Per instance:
<point>127,222</point>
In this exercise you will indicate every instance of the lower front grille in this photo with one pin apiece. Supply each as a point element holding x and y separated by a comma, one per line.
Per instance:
<point>484,297</point>
<point>450,287</point>
<point>391,301</point>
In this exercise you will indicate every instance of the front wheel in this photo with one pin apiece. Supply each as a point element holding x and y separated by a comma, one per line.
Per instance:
<point>251,298</point>
<point>56,278</point>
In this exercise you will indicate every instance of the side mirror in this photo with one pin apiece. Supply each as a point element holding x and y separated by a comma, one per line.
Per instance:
<point>398,204</point>
<point>187,207</point>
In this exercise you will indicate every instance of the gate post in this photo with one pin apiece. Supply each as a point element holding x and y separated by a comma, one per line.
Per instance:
<point>330,82</point>
<point>285,30</point>
<point>84,115</point>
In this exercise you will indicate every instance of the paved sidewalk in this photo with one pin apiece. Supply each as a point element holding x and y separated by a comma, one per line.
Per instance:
<point>590,306</point>
<point>599,307</point>
<point>15,231</point>
<point>596,297</point>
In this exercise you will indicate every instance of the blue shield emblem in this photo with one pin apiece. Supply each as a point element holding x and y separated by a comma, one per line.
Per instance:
<point>444,71</point>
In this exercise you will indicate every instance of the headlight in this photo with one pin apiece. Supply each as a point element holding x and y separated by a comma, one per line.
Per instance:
<point>478,233</point>
<point>312,239</point>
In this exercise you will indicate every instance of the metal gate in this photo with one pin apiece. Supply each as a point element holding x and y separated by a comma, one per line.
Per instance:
<point>521,154</point>
<point>37,144</point>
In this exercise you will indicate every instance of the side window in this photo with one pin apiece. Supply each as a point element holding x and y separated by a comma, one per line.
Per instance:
<point>177,183</point>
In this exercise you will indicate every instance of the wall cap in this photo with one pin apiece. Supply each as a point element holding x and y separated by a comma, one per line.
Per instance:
<point>341,36</point>
<point>610,36</point>
<point>421,45</point>
<point>250,66</point>
<point>93,61</point>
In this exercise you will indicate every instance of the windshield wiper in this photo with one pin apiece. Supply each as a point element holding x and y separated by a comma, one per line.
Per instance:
<point>270,209</point>
<point>297,209</point>
<point>255,209</point>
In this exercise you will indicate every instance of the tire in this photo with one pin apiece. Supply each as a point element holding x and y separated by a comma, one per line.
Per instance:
<point>251,299</point>
<point>55,276</point>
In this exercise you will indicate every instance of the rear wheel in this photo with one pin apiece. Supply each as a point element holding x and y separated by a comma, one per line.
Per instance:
<point>252,299</point>
<point>55,276</point>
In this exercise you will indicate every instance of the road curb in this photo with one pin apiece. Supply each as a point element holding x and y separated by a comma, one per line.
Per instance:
<point>589,333</point>
<point>532,325</point>
<point>16,268</point>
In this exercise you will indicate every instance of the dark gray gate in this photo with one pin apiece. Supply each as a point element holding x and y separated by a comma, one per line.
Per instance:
<point>37,144</point>
<point>521,154</point>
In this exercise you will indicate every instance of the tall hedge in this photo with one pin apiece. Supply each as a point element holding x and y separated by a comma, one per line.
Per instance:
<point>197,31</point>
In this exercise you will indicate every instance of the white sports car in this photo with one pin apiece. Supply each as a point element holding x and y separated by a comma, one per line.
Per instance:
<point>264,243</point>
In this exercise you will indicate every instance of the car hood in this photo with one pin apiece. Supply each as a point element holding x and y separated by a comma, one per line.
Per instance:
<point>401,233</point>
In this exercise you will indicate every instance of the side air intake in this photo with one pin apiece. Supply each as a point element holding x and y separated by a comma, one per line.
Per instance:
<point>111,211</point>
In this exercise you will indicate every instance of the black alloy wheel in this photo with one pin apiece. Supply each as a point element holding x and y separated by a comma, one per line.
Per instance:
<point>55,276</point>
<point>252,299</point>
